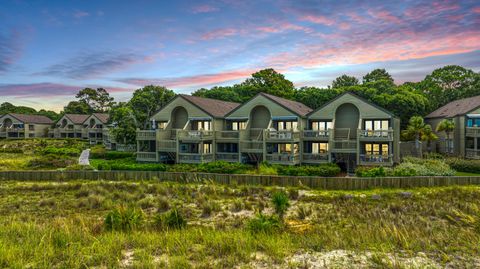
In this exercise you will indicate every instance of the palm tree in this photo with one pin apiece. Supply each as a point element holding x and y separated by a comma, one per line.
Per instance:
<point>447,126</point>
<point>419,131</point>
<point>429,136</point>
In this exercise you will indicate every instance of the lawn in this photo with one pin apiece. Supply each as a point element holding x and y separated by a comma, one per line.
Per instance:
<point>466,174</point>
<point>61,225</point>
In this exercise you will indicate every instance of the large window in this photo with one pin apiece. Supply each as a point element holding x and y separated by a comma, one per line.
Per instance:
<point>161,125</point>
<point>207,148</point>
<point>319,148</point>
<point>376,149</point>
<point>227,147</point>
<point>238,125</point>
<point>202,125</point>
<point>286,125</point>
<point>377,125</point>
<point>282,148</point>
<point>473,122</point>
<point>321,125</point>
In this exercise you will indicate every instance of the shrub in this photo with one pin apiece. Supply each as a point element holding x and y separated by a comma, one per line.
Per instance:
<point>128,164</point>
<point>266,169</point>
<point>50,162</point>
<point>409,167</point>
<point>115,155</point>
<point>363,171</point>
<point>97,152</point>
<point>264,224</point>
<point>322,170</point>
<point>236,206</point>
<point>280,203</point>
<point>303,212</point>
<point>163,204</point>
<point>209,207</point>
<point>79,167</point>
<point>74,152</point>
<point>124,219</point>
<point>172,219</point>
<point>464,165</point>
<point>222,167</point>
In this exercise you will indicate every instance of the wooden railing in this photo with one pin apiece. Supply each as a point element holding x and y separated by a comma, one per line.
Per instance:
<point>315,157</point>
<point>472,153</point>
<point>282,135</point>
<point>195,134</point>
<point>227,156</point>
<point>146,156</point>
<point>126,147</point>
<point>228,135</point>
<point>194,157</point>
<point>146,135</point>
<point>251,146</point>
<point>316,134</point>
<point>283,158</point>
<point>473,131</point>
<point>376,159</point>
<point>375,134</point>
<point>167,145</point>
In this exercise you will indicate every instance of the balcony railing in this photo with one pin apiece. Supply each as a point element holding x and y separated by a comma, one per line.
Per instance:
<point>167,145</point>
<point>473,131</point>
<point>282,135</point>
<point>195,157</point>
<point>376,159</point>
<point>227,156</point>
<point>472,153</point>
<point>316,134</point>
<point>146,135</point>
<point>126,147</point>
<point>195,134</point>
<point>344,145</point>
<point>227,135</point>
<point>251,146</point>
<point>315,157</point>
<point>376,135</point>
<point>146,156</point>
<point>283,158</point>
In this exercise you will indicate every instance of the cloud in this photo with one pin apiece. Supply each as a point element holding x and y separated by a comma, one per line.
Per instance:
<point>279,27</point>
<point>91,65</point>
<point>318,19</point>
<point>80,14</point>
<point>203,9</point>
<point>219,33</point>
<point>189,81</point>
<point>47,90</point>
<point>10,49</point>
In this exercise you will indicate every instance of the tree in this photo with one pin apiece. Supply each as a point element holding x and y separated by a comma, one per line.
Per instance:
<point>315,97</point>
<point>429,136</point>
<point>98,100</point>
<point>6,108</point>
<point>418,131</point>
<point>123,118</point>
<point>377,75</point>
<point>77,107</point>
<point>226,93</point>
<point>447,126</point>
<point>268,81</point>
<point>146,101</point>
<point>344,81</point>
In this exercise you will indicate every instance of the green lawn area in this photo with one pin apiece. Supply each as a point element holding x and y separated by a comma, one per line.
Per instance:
<point>465,174</point>
<point>61,225</point>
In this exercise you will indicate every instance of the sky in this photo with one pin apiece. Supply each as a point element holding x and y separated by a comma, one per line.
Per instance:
<point>49,50</point>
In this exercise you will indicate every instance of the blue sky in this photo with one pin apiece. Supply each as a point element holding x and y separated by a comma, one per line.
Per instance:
<point>51,49</point>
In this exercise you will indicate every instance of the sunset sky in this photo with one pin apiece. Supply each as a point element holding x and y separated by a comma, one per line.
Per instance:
<point>51,49</point>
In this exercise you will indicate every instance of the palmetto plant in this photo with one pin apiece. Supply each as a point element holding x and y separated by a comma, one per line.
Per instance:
<point>419,131</point>
<point>280,203</point>
<point>447,126</point>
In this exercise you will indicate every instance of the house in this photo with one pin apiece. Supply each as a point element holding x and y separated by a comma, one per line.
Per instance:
<point>348,130</point>
<point>17,126</point>
<point>97,131</point>
<point>183,130</point>
<point>464,141</point>
<point>70,126</point>
<point>351,131</point>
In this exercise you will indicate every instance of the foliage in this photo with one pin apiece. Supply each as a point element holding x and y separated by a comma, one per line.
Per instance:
<point>321,170</point>
<point>378,75</point>
<point>314,97</point>
<point>222,167</point>
<point>50,162</point>
<point>344,81</point>
<point>99,152</point>
<point>409,167</point>
<point>365,171</point>
<point>124,219</point>
<point>67,151</point>
<point>464,165</point>
<point>6,108</point>
<point>280,203</point>
<point>173,219</point>
<point>125,122</point>
<point>146,101</point>
<point>97,100</point>
<point>264,224</point>
<point>76,107</point>
<point>128,164</point>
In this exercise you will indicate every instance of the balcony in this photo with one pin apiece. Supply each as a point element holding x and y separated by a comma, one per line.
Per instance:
<point>472,131</point>
<point>283,135</point>
<point>127,148</point>
<point>345,146</point>
<point>227,135</point>
<point>375,135</point>
<point>195,157</point>
<point>315,158</point>
<point>255,134</point>
<point>283,158</point>
<point>146,135</point>
<point>251,146</point>
<point>195,135</point>
<point>227,156</point>
<point>376,159</point>
<point>316,135</point>
<point>472,153</point>
<point>167,145</point>
<point>146,156</point>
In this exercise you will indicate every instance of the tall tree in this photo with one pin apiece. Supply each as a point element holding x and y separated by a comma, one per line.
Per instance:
<point>315,97</point>
<point>225,93</point>
<point>123,118</point>
<point>344,81</point>
<point>268,81</point>
<point>98,100</point>
<point>447,126</point>
<point>377,75</point>
<point>148,100</point>
<point>77,107</point>
<point>418,131</point>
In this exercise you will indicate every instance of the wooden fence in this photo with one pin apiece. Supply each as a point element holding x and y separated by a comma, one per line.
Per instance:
<point>327,183</point>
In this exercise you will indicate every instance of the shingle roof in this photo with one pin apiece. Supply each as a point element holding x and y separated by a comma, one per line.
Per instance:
<point>294,106</point>
<point>38,119</point>
<point>77,118</point>
<point>103,117</point>
<point>456,108</point>
<point>215,108</point>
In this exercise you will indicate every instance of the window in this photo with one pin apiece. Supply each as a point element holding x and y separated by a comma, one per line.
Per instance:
<point>207,148</point>
<point>238,125</point>
<point>449,145</point>
<point>377,125</point>
<point>319,148</point>
<point>202,125</point>
<point>286,125</point>
<point>376,149</point>
<point>473,122</point>
<point>161,125</point>
<point>31,127</point>
<point>321,125</point>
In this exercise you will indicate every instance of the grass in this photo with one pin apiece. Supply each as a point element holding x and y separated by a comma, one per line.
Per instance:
<point>61,225</point>
<point>466,174</point>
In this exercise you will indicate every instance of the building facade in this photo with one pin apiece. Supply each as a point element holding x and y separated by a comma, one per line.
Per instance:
<point>348,130</point>
<point>19,126</point>
<point>464,141</point>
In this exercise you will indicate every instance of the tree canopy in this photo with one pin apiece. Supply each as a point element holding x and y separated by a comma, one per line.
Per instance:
<point>344,81</point>
<point>6,108</point>
<point>98,100</point>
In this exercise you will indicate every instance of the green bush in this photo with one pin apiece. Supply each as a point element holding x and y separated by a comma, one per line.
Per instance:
<point>124,219</point>
<point>280,203</point>
<point>74,152</point>
<point>127,164</point>
<point>264,224</point>
<point>173,219</point>
<point>50,162</point>
<point>11,150</point>
<point>79,167</point>
<point>322,170</point>
<point>409,167</point>
<point>464,165</point>
<point>222,167</point>
<point>363,171</point>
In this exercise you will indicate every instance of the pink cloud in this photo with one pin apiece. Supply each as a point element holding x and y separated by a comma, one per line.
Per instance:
<point>284,26</point>
<point>204,9</point>
<point>219,33</point>
<point>80,14</point>
<point>476,10</point>
<point>48,90</point>
<point>197,80</point>
<point>317,19</point>
<point>384,15</point>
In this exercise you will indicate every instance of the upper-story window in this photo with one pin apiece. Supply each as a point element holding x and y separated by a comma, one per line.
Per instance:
<point>321,125</point>
<point>286,125</point>
<point>236,125</point>
<point>161,125</point>
<point>31,127</point>
<point>202,125</point>
<point>473,122</point>
<point>377,125</point>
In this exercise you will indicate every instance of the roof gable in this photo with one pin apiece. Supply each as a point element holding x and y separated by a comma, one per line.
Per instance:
<point>215,108</point>
<point>456,108</point>
<point>102,117</point>
<point>33,119</point>
<point>75,118</point>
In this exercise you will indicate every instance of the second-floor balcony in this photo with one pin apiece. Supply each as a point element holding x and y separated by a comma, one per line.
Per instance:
<point>166,146</point>
<point>316,134</point>
<point>472,131</point>
<point>376,159</point>
<point>376,135</point>
<point>195,157</point>
<point>283,158</point>
<point>146,135</point>
<point>227,135</point>
<point>282,135</point>
<point>195,135</point>
<point>472,153</point>
<point>315,157</point>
